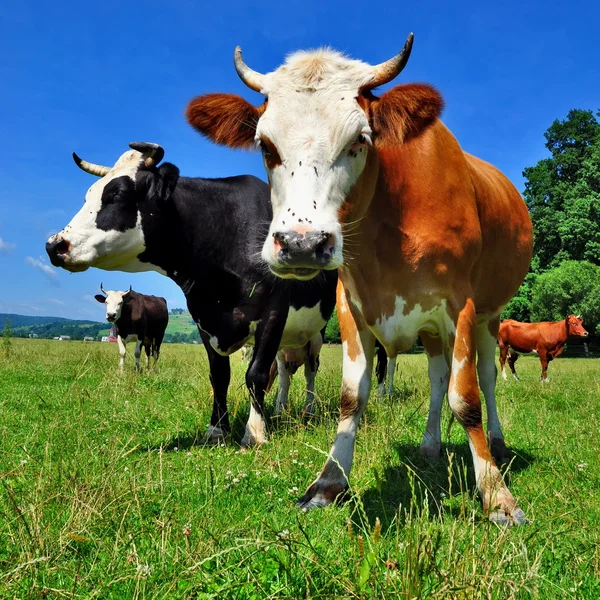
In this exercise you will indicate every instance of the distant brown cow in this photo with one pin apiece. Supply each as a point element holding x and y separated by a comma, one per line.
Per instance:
<point>546,339</point>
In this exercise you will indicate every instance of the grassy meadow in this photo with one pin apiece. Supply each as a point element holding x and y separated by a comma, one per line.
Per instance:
<point>106,494</point>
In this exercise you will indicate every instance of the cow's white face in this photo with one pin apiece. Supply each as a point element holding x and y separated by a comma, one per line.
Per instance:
<point>114,304</point>
<point>107,232</point>
<point>315,137</point>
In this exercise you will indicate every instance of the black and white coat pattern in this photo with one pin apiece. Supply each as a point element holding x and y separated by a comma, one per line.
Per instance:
<point>206,235</point>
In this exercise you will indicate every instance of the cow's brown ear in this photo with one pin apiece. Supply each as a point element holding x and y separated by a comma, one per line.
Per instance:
<point>403,113</point>
<point>100,298</point>
<point>225,119</point>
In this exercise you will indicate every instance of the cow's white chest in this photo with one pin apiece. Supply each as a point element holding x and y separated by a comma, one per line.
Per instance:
<point>398,331</point>
<point>301,325</point>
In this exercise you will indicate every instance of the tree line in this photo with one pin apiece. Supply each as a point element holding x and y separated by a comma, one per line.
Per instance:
<point>562,193</point>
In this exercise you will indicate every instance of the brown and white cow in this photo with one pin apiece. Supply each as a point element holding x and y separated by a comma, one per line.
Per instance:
<point>428,239</point>
<point>547,339</point>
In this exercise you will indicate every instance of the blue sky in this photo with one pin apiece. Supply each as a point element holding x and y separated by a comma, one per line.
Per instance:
<point>92,77</point>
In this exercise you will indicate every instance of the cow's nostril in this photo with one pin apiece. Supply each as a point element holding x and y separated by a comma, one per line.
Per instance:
<point>62,247</point>
<point>325,248</point>
<point>57,249</point>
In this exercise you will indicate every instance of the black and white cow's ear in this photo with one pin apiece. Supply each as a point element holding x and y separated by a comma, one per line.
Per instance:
<point>100,298</point>
<point>164,181</point>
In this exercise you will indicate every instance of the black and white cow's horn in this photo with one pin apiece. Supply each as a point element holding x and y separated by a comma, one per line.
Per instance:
<point>253,79</point>
<point>103,290</point>
<point>152,152</point>
<point>390,69</point>
<point>88,167</point>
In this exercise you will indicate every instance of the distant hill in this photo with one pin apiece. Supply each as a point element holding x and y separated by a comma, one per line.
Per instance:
<point>181,327</point>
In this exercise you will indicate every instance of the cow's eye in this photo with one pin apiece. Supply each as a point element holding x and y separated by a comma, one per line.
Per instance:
<point>269,152</point>
<point>363,140</point>
<point>264,148</point>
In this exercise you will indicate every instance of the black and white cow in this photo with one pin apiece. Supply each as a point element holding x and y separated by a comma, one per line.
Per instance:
<point>206,235</point>
<point>137,318</point>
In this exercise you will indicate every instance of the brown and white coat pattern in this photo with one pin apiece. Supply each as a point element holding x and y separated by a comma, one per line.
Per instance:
<point>418,229</point>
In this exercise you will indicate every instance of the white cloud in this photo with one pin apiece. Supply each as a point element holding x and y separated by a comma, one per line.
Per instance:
<point>31,307</point>
<point>6,247</point>
<point>55,301</point>
<point>46,269</point>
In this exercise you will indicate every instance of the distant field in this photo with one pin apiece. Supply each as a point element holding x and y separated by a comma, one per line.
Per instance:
<point>181,324</point>
<point>104,494</point>
<point>177,324</point>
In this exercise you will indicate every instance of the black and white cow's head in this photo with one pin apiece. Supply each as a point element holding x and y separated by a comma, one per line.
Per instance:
<point>114,300</point>
<point>109,230</point>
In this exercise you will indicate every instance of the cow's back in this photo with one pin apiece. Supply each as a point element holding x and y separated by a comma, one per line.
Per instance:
<point>506,230</point>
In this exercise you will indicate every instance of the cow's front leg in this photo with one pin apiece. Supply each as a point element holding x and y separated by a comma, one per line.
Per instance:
<point>463,396</point>
<point>122,353</point>
<point>358,346</point>
<point>267,339</point>
<point>220,374</point>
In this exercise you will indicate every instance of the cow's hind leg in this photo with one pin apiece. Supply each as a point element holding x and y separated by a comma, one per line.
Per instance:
<point>463,396</point>
<point>381,367</point>
<point>311,366</point>
<point>358,349</point>
<point>220,374</point>
<point>512,359</point>
<point>487,334</point>
<point>285,379</point>
<point>545,358</point>
<point>156,350</point>
<point>138,353</point>
<point>267,339</point>
<point>148,349</point>
<point>503,354</point>
<point>391,371</point>
<point>438,381</point>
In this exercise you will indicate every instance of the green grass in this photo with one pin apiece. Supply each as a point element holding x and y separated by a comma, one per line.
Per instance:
<point>181,324</point>
<point>104,494</point>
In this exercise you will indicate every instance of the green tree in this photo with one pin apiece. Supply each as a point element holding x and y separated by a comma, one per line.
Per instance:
<point>573,287</point>
<point>562,193</point>
<point>332,331</point>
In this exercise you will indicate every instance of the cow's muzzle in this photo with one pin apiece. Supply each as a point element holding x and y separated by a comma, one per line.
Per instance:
<point>312,250</point>
<point>57,249</point>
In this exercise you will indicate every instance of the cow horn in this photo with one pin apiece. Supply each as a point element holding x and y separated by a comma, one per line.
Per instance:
<point>253,79</point>
<point>89,167</point>
<point>103,290</point>
<point>390,69</point>
<point>153,153</point>
<point>127,292</point>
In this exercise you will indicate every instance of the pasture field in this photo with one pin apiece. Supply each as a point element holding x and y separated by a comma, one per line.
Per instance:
<point>105,494</point>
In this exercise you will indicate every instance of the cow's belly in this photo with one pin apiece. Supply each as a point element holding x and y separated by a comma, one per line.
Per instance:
<point>226,345</point>
<point>301,325</point>
<point>131,338</point>
<point>399,331</point>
